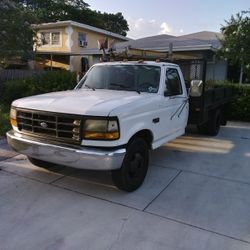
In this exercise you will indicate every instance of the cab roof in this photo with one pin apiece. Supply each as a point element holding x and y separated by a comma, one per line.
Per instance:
<point>140,62</point>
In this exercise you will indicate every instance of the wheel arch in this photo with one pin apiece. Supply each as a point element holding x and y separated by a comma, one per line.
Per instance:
<point>145,134</point>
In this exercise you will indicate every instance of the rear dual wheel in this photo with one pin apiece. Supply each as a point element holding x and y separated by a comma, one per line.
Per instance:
<point>212,127</point>
<point>134,167</point>
<point>214,123</point>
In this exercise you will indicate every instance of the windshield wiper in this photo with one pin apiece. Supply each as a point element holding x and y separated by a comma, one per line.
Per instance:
<point>86,85</point>
<point>119,85</point>
<point>136,90</point>
<point>124,87</point>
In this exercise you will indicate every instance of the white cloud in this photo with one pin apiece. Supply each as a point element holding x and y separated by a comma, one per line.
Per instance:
<point>142,28</point>
<point>165,28</point>
<point>138,23</point>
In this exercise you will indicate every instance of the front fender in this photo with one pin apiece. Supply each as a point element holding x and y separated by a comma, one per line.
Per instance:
<point>129,128</point>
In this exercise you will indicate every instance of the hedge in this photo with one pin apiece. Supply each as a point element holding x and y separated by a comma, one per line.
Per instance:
<point>39,84</point>
<point>48,82</point>
<point>4,120</point>
<point>240,108</point>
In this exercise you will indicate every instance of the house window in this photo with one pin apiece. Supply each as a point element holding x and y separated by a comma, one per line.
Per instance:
<point>173,82</point>
<point>51,38</point>
<point>45,36</point>
<point>55,38</point>
<point>82,42</point>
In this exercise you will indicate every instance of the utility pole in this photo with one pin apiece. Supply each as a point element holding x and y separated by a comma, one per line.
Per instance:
<point>170,51</point>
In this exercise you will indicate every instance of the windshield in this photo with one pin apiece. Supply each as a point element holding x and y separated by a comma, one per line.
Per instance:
<point>141,78</point>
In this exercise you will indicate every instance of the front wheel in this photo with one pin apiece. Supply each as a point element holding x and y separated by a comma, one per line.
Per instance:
<point>134,167</point>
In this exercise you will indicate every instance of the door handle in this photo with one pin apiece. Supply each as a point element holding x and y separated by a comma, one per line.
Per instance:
<point>156,120</point>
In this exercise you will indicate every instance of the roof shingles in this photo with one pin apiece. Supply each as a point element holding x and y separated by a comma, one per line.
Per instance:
<point>200,40</point>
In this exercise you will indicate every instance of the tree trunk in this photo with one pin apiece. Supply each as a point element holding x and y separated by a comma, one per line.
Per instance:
<point>241,75</point>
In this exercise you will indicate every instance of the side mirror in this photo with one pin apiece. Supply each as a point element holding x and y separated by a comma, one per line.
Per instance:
<point>196,88</point>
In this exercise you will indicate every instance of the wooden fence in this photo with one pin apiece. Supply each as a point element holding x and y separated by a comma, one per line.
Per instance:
<point>14,74</point>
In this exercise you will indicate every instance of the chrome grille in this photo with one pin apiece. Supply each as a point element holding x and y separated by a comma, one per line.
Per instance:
<point>47,124</point>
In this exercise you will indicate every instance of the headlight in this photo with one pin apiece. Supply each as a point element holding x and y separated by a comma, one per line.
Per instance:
<point>13,117</point>
<point>98,129</point>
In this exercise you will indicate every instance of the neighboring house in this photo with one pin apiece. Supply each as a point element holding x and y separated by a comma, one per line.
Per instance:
<point>70,45</point>
<point>196,53</point>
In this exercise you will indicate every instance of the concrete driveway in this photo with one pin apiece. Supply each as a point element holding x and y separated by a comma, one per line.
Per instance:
<point>196,196</point>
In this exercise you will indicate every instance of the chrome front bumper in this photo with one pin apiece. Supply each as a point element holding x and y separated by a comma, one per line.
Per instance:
<point>83,158</point>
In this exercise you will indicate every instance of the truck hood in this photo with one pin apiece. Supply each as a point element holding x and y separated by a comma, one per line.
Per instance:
<point>81,102</point>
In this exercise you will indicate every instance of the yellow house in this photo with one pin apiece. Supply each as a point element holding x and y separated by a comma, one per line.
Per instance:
<point>70,45</point>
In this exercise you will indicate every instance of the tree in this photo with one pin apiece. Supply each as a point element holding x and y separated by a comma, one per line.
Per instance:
<point>236,41</point>
<point>16,35</point>
<point>115,23</point>
<point>75,10</point>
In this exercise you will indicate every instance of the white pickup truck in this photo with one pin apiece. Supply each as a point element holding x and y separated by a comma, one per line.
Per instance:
<point>117,113</point>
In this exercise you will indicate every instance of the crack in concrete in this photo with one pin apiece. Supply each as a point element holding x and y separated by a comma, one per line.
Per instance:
<point>10,158</point>
<point>170,182</point>
<point>198,227</point>
<point>125,220</point>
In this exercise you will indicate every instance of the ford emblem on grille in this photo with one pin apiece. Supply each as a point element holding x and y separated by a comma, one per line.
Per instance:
<point>44,124</point>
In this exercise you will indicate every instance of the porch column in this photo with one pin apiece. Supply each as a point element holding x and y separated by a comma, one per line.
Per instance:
<point>51,61</point>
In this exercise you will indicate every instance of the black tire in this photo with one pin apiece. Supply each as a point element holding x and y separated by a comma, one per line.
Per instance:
<point>214,123</point>
<point>223,121</point>
<point>40,163</point>
<point>134,167</point>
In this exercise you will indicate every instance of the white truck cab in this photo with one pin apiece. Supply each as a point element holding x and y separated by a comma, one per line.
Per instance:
<point>116,114</point>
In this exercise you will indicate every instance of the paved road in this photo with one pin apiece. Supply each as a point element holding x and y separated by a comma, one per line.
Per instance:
<point>195,196</point>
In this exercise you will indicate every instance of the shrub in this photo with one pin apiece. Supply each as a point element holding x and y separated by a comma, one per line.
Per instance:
<point>240,108</point>
<point>4,120</point>
<point>38,84</point>
<point>48,82</point>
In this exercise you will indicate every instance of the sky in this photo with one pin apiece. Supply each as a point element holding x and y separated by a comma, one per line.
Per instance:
<point>174,17</point>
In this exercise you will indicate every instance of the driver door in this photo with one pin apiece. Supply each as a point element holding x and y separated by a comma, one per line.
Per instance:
<point>174,104</point>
